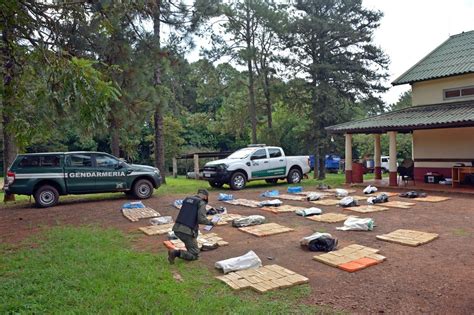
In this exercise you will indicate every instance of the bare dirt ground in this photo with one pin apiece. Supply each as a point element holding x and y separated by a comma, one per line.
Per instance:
<point>434,278</point>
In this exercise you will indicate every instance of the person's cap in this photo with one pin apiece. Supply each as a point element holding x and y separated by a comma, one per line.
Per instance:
<point>203,192</point>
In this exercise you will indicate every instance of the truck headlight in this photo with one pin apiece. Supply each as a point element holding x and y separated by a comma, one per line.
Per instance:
<point>222,167</point>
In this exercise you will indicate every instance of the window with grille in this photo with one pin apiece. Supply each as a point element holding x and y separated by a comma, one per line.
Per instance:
<point>462,92</point>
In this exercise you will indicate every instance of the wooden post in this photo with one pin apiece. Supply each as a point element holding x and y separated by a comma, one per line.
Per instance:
<point>175,168</point>
<point>393,158</point>
<point>196,166</point>
<point>377,157</point>
<point>348,159</point>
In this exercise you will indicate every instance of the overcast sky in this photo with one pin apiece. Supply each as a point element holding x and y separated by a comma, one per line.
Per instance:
<point>409,30</point>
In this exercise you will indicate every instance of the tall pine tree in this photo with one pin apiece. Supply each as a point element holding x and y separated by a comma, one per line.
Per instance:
<point>331,43</point>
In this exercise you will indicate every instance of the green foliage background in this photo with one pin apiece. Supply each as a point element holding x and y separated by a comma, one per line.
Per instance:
<point>90,76</point>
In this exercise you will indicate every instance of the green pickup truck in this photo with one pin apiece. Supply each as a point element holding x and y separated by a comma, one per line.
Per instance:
<point>46,176</point>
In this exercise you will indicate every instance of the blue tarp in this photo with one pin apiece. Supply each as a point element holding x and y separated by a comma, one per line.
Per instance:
<point>133,205</point>
<point>295,189</point>
<point>270,193</point>
<point>223,197</point>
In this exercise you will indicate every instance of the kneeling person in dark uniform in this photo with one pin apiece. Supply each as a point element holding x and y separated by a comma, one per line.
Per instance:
<point>192,213</point>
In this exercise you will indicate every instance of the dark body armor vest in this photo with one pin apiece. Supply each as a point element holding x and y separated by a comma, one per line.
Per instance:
<point>189,212</point>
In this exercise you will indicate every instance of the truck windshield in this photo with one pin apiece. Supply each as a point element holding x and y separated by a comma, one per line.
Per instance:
<point>241,154</point>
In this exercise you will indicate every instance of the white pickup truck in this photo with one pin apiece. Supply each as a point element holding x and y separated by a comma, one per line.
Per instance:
<point>253,163</point>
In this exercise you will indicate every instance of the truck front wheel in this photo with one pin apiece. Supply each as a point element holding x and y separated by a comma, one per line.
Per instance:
<point>294,176</point>
<point>142,189</point>
<point>216,184</point>
<point>46,196</point>
<point>238,181</point>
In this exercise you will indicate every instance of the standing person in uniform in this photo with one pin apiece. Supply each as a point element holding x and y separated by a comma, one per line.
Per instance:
<point>192,213</point>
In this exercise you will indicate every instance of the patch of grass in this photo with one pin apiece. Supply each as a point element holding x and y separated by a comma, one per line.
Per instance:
<point>22,199</point>
<point>182,185</point>
<point>461,232</point>
<point>90,270</point>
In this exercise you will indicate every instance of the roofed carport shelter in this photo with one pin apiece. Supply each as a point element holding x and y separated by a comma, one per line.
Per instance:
<point>196,156</point>
<point>441,119</point>
<point>426,117</point>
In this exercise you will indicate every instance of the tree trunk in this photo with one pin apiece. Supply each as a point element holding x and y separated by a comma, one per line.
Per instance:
<point>314,131</point>
<point>159,141</point>
<point>252,109</point>
<point>8,101</point>
<point>9,145</point>
<point>323,103</point>
<point>268,102</point>
<point>322,165</point>
<point>114,137</point>
<point>114,58</point>
<point>316,159</point>
<point>317,132</point>
<point>321,149</point>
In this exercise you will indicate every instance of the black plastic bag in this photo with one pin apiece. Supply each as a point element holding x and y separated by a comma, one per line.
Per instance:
<point>323,244</point>
<point>214,211</point>
<point>379,199</point>
<point>412,194</point>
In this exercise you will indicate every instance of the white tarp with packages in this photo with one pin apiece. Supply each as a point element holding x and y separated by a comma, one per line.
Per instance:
<point>313,196</point>
<point>270,203</point>
<point>357,224</point>
<point>370,189</point>
<point>348,202</point>
<point>247,261</point>
<point>340,193</point>
<point>308,211</point>
<point>248,221</point>
<point>161,220</point>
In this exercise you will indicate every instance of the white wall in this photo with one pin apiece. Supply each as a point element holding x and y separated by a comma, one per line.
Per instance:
<point>431,92</point>
<point>454,143</point>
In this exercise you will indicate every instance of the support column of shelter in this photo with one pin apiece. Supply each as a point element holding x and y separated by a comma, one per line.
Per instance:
<point>377,157</point>
<point>348,159</point>
<point>392,166</point>
<point>175,167</point>
<point>196,166</point>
